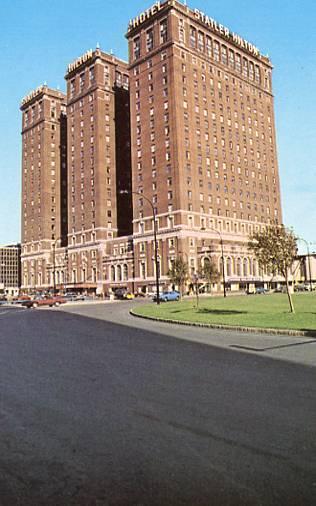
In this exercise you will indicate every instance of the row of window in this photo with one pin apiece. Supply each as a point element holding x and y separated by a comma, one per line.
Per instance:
<point>87,78</point>
<point>219,52</point>
<point>151,43</point>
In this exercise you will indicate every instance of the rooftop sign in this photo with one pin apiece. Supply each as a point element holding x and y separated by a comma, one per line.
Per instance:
<point>223,30</point>
<point>144,15</point>
<point>199,16</point>
<point>32,94</point>
<point>79,61</point>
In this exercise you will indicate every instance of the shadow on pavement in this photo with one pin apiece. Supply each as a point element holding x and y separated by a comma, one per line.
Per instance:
<point>100,413</point>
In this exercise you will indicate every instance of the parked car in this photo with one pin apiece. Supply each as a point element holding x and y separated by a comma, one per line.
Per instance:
<point>123,294</point>
<point>21,297</point>
<point>280,289</point>
<point>302,288</point>
<point>260,290</point>
<point>167,296</point>
<point>74,296</point>
<point>46,300</point>
<point>129,296</point>
<point>120,293</point>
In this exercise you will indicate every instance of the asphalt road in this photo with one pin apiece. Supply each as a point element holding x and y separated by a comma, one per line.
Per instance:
<point>97,408</point>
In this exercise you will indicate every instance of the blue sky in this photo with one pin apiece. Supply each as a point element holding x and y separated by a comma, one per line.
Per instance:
<point>39,39</point>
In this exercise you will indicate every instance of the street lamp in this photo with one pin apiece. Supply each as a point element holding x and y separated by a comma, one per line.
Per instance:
<point>309,261</point>
<point>222,256</point>
<point>126,192</point>
<point>54,264</point>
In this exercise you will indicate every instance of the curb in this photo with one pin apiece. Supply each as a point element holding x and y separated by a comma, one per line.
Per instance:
<point>259,330</point>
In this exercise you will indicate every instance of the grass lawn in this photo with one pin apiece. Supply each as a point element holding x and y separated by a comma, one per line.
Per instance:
<point>268,311</point>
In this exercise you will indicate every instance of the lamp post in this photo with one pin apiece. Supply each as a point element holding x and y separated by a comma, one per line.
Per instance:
<point>309,261</point>
<point>54,264</point>
<point>126,192</point>
<point>222,257</point>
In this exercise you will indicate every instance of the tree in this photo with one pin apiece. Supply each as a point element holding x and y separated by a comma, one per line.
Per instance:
<point>179,273</point>
<point>210,272</point>
<point>196,285</point>
<point>275,249</point>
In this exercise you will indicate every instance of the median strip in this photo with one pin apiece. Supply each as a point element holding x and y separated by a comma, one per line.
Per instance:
<point>260,330</point>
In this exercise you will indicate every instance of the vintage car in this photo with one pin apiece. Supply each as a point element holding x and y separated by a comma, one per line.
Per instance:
<point>46,300</point>
<point>167,296</point>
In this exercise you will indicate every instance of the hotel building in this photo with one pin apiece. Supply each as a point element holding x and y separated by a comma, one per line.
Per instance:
<point>203,142</point>
<point>99,165</point>
<point>187,124</point>
<point>44,184</point>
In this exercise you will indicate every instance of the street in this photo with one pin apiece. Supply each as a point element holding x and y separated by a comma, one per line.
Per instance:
<point>101,408</point>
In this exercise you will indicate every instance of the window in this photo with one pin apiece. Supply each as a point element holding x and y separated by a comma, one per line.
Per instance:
<point>143,270</point>
<point>224,55</point>
<point>136,46</point>
<point>208,46</point>
<point>72,87</point>
<point>216,50</point>
<point>238,62</point>
<point>91,75</point>
<point>231,62</point>
<point>81,81</point>
<point>149,40</point>
<point>181,31</point>
<point>163,31</point>
<point>192,37</point>
<point>245,67</point>
<point>201,42</point>
<point>251,71</point>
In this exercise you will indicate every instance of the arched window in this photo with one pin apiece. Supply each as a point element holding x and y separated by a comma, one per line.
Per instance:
<point>119,273</point>
<point>83,275</point>
<point>206,262</point>
<point>112,273</point>
<point>238,267</point>
<point>245,266</point>
<point>229,267</point>
<point>125,271</point>
<point>220,264</point>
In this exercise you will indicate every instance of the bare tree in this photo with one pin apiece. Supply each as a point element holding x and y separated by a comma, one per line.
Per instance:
<point>275,249</point>
<point>179,273</point>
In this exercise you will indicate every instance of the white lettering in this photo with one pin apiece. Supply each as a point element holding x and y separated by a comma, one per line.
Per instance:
<point>207,21</point>
<point>85,57</point>
<point>138,20</point>
<point>223,30</point>
<point>197,13</point>
<point>32,94</point>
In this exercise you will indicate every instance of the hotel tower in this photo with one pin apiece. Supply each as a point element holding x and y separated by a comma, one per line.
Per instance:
<point>184,132</point>
<point>203,142</point>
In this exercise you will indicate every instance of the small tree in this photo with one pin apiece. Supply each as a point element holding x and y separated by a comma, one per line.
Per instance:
<point>179,273</point>
<point>275,249</point>
<point>210,272</point>
<point>196,285</point>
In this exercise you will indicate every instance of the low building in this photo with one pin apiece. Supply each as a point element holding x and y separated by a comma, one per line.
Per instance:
<point>305,270</point>
<point>10,269</point>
